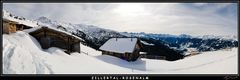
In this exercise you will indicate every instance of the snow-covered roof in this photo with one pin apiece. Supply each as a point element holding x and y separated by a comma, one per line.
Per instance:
<point>30,23</point>
<point>27,23</point>
<point>40,27</point>
<point>119,45</point>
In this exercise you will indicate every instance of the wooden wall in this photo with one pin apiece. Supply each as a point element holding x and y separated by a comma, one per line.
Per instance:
<point>125,56</point>
<point>12,27</point>
<point>50,38</point>
<point>9,27</point>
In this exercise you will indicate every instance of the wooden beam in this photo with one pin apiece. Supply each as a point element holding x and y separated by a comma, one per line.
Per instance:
<point>44,31</point>
<point>79,47</point>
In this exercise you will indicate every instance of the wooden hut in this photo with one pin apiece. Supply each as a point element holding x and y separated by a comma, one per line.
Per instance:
<point>49,37</point>
<point>12,26</point>
<point>124,48</point>
<point>9,26</point>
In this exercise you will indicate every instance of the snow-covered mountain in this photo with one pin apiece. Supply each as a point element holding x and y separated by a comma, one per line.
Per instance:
<point>226,37</point>
<point>184,41</point>
<point>143,34</point>
<point>93,35</point>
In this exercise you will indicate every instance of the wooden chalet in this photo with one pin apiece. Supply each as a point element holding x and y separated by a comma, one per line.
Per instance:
<point>12,26</point>
<point>124,48</point>
<point>49,37</point>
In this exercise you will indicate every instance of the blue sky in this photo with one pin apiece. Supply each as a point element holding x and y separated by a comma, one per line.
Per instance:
<point>169,18</point>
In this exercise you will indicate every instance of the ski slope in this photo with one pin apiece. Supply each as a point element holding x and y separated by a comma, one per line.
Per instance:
<point>22,54</point>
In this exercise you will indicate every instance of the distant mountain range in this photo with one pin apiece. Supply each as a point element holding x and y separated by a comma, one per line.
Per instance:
<point>183,41</point>
<point>93,35</point>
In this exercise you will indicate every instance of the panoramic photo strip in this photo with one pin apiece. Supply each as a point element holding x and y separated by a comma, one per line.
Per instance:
<point>120,38</point>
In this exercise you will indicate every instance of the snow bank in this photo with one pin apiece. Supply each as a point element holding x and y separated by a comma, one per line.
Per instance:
<point>22,54</point>
<point>19,54</point>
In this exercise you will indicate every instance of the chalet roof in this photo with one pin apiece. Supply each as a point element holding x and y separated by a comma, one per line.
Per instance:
<point>50,28</point>
<point>17,21</point>
<point>9,21</point>
<point>119,45</point>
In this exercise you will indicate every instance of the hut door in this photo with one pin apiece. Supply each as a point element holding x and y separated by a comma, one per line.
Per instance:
<point>45,41</point>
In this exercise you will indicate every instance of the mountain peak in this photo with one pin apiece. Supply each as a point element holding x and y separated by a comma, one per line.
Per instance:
<point>43,19</point>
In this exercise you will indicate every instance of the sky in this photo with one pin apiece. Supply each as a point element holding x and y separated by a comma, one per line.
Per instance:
<point>164,18</point>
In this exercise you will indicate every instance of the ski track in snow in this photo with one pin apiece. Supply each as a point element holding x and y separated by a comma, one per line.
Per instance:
<point>11,45</point>
<point>6,61</point>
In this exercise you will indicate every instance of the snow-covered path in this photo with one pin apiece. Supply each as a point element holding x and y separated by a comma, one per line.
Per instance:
<point>19,54</point>
<point>22,54</point>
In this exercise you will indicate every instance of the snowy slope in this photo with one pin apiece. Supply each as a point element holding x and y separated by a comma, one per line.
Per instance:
<point>23,54</point>
<point>213,62</point>
<point>20,54</point>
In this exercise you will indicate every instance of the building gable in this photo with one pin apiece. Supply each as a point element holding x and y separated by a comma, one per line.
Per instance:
<point>48,37</point>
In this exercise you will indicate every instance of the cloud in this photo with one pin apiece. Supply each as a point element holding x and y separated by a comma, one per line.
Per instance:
<point>170,18</point>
